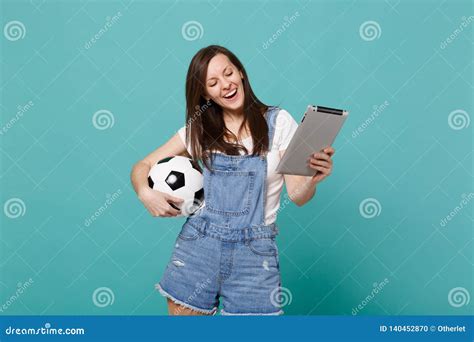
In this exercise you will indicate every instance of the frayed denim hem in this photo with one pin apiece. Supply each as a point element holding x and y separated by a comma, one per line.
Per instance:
<point>186,305</point>
<point>277,313</point>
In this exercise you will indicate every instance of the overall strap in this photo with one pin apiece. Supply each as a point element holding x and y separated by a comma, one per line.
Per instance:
<point>271,118</point>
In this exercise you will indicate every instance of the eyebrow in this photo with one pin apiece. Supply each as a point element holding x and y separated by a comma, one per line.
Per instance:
<point>227,66</point>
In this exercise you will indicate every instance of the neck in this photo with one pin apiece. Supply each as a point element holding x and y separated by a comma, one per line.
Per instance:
<point>232,116</point>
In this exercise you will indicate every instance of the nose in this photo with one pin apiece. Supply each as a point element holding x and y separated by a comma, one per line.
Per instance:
<point>226,85</point>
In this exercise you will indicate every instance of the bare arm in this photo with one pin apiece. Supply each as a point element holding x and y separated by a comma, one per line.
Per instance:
<point>301,189</point>
<point>156,202</point>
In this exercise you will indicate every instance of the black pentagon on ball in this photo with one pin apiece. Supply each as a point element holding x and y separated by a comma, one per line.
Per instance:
<point>150,182</point>
<point>164,160</point>
<point>199,197</point>
<point>175,180</point>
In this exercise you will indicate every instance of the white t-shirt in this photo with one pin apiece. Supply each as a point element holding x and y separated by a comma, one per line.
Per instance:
<point>285,127</point>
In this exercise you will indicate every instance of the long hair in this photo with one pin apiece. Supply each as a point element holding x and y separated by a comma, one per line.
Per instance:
<point>205,126</point>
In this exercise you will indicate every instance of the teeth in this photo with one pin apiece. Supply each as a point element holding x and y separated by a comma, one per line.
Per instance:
<point>230,93</point>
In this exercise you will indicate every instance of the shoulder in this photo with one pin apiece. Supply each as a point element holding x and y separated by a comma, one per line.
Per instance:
<point>279,115</point>
<point>283,114</point>
<point>182,133</point>
<point>285,127</point>
<point>284,121</point>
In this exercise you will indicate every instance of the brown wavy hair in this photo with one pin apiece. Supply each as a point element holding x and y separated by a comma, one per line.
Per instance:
<point>205,126</point>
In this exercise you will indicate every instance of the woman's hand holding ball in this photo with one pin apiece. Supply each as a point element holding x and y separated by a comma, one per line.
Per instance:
<point>159,203</point>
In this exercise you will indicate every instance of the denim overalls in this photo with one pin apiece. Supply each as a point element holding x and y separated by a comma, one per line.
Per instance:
<point>225,251</point>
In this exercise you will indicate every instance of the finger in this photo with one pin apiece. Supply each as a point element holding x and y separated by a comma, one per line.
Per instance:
<point>325,158</point>
<point>320,155</point>
<point>324,170</point>
<point>329,150</point>
<point>174,199</point>
<point>173,212</point>
<point>318,162</point>
<point>174,206</point>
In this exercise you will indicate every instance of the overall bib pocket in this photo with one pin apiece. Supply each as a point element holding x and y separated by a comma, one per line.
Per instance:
<point>231,192</point>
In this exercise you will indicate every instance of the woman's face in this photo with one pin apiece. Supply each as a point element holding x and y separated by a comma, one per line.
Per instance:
<point>224,83</point>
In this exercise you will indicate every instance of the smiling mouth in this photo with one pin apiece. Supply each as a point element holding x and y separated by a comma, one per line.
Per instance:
<point>231,94</point>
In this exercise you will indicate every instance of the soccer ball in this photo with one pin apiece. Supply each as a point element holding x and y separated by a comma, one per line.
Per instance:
<point>180,177</point>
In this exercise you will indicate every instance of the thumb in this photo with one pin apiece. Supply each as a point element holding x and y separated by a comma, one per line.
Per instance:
<point>174,199</point>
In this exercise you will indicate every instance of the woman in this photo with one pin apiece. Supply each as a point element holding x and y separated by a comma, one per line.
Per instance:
<point>227,251</point>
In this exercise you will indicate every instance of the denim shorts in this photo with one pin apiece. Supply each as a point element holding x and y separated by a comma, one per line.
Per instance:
<point>213,264</point>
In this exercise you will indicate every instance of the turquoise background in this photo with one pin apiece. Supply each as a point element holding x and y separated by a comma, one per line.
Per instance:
<point>409,158</point>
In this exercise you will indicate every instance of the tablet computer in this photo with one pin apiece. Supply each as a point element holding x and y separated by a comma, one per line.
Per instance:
<point>318,129</point>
